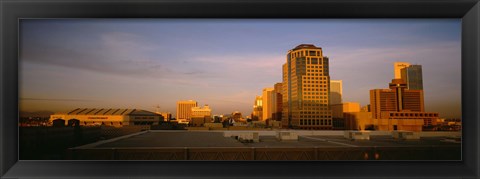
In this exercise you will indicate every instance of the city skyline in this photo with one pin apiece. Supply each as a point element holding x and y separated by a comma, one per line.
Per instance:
<point>224,63</point>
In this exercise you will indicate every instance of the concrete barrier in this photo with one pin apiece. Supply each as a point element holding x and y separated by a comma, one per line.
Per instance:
<point>357,135</point>
<point>405,135</point>
<point>281,135</point>
<point>197,128</point>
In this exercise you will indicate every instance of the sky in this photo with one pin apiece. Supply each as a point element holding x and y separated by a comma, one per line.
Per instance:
<point>224,63</point>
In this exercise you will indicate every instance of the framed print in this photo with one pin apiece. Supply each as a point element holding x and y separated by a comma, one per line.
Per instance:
<point>240,89</point>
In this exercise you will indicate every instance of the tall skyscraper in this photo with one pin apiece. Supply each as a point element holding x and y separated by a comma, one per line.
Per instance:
<point>335,92</point>
<point>306,89</point>
<point>269,99</point>
<point>397,67</point>
<point>412,75</point>
<point>184,110</point>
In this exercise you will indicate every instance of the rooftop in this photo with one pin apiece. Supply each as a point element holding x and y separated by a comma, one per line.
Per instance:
<point>217,139</point>
<point>311,145</point>
<point>107,111</point>
<point>306,46</point>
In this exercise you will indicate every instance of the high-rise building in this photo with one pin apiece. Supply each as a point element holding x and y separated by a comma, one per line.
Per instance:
<point>278,88</point>
<point>184,110</point>
<point>397,67</point>
<point>412,75</point>
<point>257,114</point>
<point>335,92</point>
<point>306,89</point>
<point>396,99</point>
<point>269,99</point>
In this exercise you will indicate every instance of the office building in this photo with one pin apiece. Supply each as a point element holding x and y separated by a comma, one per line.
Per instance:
<point>412,76</point>
<point>201,111</point>
<point>269,99</point>
<point>397,67</point>
<point>335,92</point>
<point>257,114</point>
<point>278,90</point>
<point>397,98</point>
<point>403,108</point>
<point>306,89</point>
<point>108,117</point>
<point>184,110</point>
<point>201,115</point>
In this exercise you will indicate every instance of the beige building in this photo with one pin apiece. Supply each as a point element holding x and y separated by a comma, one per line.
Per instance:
<point>306,89</point>
<point>201,111</point>
<point>108,116</point>
<point>397,67</point>
<point>201,115</point>
<point>336,92</point>
<point>269,99</point>
<point>184,110</point>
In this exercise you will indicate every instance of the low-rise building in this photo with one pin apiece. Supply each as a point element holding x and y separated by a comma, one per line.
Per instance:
<point>108,116</point>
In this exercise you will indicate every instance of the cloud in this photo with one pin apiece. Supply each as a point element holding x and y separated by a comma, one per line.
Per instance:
<point>53,99</point>
<point>260,69</point>
<point>120,54</point>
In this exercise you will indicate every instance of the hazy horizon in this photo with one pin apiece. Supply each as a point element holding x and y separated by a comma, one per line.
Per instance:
<point>141,63</point>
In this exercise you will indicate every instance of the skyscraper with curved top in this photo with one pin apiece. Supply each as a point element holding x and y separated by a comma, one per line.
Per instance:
<point>306,88</point>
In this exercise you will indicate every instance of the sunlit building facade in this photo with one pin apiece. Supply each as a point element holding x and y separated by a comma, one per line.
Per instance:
<point>397,98</point>
<point>397,67</point>
<point>257,114</point>
<point>184,110</point>
<point>201,111</point>
<point>306,89</point>
<point>269,99</point>
<point>201,115</point>
<point>401,105</point>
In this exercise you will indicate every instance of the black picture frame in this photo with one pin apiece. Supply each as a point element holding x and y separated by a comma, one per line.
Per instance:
<point>11,11</point>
